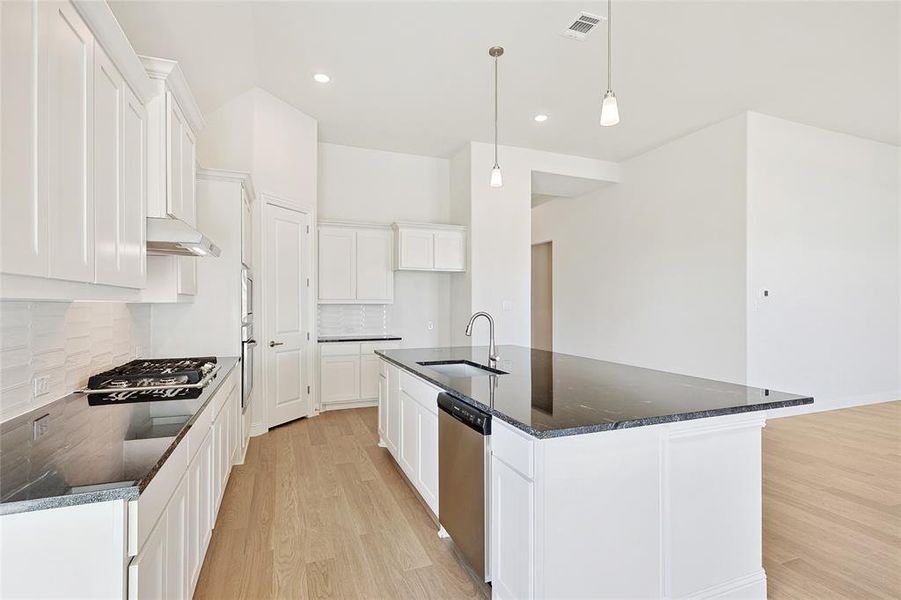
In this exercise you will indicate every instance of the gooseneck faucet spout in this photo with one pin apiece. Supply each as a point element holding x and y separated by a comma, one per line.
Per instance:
<point>492,350</point>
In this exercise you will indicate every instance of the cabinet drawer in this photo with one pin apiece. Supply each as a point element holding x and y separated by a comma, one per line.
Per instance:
<point>339,349</point>
<point>368,348</point>
<point>424,393</point>
<point>514,448</point>
<point>222,394</point>
<point>199,429</point>
<point>144,512</point>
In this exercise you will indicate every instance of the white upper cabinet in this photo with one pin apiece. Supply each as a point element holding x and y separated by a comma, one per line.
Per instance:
<point>173,122</point>
<point>119,182</point>
<point>65,139</point>
<point>355,264</point>
<point>73,149</point>
<point>430,247</point>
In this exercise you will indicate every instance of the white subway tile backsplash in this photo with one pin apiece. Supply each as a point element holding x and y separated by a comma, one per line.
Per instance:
<point>65,341</point>
<point>342,319</point>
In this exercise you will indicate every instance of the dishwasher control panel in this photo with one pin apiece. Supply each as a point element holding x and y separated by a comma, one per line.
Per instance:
<point>466,414</point>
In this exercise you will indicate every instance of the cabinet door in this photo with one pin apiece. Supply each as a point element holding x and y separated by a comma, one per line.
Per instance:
<point>108,103</point>
<point>427,481</point>
<point>176,538</point>
<point>339,378</point>
<point>392,425</point>
<point>337,264</point>
<point>450,250</point>
<point>65,130</point>
<point>512,532</point>
<point>409,436</point>
<point>147,571</point>
<point>200,508</point>
<point>220,445</point>
<point>417,249</point>
<point>23,214</point>
<point>175,127</point>
<point>187,275</point>
<point>234,411</point>
<point>132,225</point>
<point>383,407</point>
<point>375,266</point>
<point>369,376</point>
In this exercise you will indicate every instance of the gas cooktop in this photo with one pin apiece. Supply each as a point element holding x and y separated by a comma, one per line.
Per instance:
<point>148,379</point>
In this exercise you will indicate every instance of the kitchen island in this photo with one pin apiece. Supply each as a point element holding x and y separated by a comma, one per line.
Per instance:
<point>606,480</point>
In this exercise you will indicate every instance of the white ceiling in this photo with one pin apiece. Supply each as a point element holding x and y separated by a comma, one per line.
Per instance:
<point>416,76</point>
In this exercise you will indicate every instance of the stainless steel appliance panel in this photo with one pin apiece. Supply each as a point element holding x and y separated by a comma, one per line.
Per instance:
<point>247,348</point>
<point>462,465</point>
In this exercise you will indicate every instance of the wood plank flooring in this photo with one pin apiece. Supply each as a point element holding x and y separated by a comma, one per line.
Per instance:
<point>318,510</point>
<point>832,504</point>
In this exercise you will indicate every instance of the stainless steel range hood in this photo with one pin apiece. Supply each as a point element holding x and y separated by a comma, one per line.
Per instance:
<point>175,237</point>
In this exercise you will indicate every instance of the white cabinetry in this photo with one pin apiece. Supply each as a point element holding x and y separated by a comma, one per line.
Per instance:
<point>200,509</point>
<point>173,119</point>
<point>72,204</point>
<point>147,572</point>
<point>430,247</point>
<point>349,373</point>
<point>512,527</point>
<point>408,428</point>
<point>355,263</point>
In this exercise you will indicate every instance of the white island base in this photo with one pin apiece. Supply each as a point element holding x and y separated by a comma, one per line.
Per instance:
<point>662,511</point>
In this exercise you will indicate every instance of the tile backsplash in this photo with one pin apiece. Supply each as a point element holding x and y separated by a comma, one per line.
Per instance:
<point>341,319</point>
<point>65,342</point>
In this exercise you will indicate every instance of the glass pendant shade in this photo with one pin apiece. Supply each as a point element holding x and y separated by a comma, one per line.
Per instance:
<point>497,180</point>
<point>609,110</point>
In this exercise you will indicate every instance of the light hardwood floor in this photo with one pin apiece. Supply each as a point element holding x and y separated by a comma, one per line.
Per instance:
<point>318,510</point>
<point>832,504</point>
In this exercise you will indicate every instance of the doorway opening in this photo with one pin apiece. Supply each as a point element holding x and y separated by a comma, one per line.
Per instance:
<point>543,296</point>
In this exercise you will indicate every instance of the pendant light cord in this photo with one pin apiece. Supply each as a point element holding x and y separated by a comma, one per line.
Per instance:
<point>495,111</point>
<point>609,47</point>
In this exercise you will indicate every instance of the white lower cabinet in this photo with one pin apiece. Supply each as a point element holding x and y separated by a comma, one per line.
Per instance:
<point>512,531</point>
<point>168,563</point>
<point>349,372</point>
<point>147,572</point>
<point>176,543</point>
<point>411,430</point>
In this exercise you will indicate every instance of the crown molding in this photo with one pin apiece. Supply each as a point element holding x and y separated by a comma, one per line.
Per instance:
<point>225,175</point>
<point>108,32</point>
<point>163,69</point>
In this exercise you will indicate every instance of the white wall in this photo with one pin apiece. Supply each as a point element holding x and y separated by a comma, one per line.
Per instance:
<point>823,239</point>
<point>67,342</point>
<point>500,222</point>
<point>651,271</point>
<point>358,184</point>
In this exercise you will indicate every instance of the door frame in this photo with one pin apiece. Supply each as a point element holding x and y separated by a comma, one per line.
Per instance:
<point>261,425</point>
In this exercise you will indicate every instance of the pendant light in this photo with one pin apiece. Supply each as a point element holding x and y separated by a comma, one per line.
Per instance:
<point>496,180</point>
<point>609,109</point>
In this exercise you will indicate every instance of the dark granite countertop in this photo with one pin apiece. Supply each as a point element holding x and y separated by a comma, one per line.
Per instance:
<point>548,394</point>
<point>362,337</point>
<point>93,453</point>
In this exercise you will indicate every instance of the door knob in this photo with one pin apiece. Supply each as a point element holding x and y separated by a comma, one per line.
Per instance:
<point>274,344</point>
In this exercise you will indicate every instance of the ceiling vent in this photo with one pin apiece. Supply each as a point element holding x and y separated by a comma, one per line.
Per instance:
<point>584,24</point>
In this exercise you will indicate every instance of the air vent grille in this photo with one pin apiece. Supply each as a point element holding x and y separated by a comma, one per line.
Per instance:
<point>582,26</point>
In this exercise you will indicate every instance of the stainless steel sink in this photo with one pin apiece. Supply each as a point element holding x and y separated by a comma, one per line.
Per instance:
<point>460,368</point>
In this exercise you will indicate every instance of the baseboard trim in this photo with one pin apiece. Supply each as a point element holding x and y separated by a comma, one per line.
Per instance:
<point>836,404</point>
<point>352,404</point>
<point>745,587</point>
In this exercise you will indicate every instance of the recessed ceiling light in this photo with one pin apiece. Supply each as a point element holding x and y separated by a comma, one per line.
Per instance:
<point>321,78</point>
<point>540,118</point>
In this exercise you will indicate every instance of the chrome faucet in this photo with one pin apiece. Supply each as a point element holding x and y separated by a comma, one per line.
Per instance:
<point>492,350</point>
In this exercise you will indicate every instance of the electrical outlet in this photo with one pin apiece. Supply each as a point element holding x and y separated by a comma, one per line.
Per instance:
<point>41,385</point>
<point>430,325</point>
<point>41,427</point>
<point>507,305</point>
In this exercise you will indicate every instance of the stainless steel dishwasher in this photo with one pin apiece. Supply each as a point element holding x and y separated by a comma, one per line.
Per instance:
<point>462,473</point>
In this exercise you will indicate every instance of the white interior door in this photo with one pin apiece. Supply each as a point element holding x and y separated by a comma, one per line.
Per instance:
<point>286,298</point>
